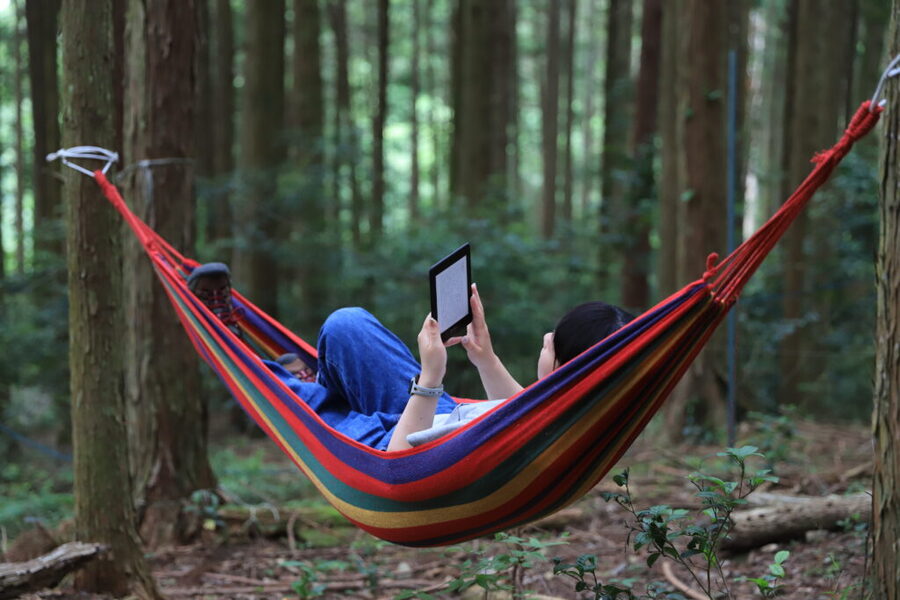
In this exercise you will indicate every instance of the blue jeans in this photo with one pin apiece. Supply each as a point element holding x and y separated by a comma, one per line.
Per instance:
<point>363,381</point>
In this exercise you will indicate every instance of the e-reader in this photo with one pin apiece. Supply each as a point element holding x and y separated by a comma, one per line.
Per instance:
<point>451,287</point>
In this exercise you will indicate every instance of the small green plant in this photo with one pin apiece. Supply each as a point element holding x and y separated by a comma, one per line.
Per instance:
<point>768,585</point>
<point>584,572</point>
<point>307,584</point>
<point>693,540</point>
<point>206,504</point>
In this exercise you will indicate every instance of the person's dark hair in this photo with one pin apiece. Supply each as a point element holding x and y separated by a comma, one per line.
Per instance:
<point>286,359</point>
<point>584,326</point>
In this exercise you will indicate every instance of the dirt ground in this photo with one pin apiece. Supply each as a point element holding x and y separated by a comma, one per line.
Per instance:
<point>820,460</point>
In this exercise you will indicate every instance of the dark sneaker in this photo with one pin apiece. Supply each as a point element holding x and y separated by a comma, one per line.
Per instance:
<point>211,283</point>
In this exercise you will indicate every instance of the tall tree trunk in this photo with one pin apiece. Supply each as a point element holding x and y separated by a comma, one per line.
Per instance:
<point>413,202</point>
<point>568,175</point>
<point>672,172</point>
<point>550,122</point>
<point>313,229</point>
<point>615,168</point>
<point>432,85</point>
<point>701,211</point>
<point>886,416</point>
<point>103,508</point>
<point>376,213</point>
<point>219,221</point>
<point>346,134</point>
<point>587,135</point>
<point>41,17</point>
<point>642,191</point>
<point>203,151</point>
<point>262,152</point>
<point>483,52</point>
<point>165,407</point>
<point>19,148</point>
<point>811,124</point>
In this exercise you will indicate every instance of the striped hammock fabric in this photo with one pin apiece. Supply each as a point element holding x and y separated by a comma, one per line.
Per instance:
<point>536,453</point>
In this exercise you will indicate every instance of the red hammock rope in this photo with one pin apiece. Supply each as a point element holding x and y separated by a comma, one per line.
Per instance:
<point>728,278</point>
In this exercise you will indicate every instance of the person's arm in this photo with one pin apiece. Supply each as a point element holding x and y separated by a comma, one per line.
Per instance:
<point>497,381</point>
<point>419,411</point>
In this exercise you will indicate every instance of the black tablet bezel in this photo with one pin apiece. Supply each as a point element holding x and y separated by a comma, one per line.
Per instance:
<point>463,251</point>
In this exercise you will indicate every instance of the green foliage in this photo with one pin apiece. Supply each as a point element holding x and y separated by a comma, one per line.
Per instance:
<point>252,478</point>
<point>33,495</point>
<point>768,585</point>
<point>693,538</point>
<point>584,572</point>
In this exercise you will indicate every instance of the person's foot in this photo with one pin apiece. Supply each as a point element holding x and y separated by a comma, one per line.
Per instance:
<point>211,283</point>
<point>295,365</point>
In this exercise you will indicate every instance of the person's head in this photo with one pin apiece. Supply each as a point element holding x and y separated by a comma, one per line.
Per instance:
<point>212,284</point>
<point>292,363</point>
<point>578,330</point>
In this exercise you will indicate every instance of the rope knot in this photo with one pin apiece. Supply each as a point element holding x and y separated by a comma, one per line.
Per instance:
<point>711,268</point>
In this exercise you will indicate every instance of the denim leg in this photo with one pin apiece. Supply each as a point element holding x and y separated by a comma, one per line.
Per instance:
<point>360,359</point>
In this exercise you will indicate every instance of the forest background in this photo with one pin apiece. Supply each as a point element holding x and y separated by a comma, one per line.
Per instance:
<point>331,151</point>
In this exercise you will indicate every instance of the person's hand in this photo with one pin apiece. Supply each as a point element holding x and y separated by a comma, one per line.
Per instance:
<point>432,354</point>
<point>477,341</point>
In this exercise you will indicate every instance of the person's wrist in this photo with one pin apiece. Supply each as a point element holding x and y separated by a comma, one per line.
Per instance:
<point>430,379</point>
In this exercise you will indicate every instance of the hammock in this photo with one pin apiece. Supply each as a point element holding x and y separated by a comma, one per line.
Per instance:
<point>537,452</point>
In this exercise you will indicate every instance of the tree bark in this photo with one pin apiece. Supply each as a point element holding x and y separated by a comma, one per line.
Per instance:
<point>376,212</point>
<point>104,512</point>
<point>568,175</point>
<point>345,132</point>
<point>413,202</point>
<point>219,221</point>
<point>587,136</point>
<point>642,191</point>
<point>701,213</point>
<point>783,522</point>
<point>671,125</point>
<point>45,571</point>
<point>165,408</point>
<point>41,17</point>
<point>482,77</point>
<point>262,152</point>
<point>615,160</point>
<point>550,122</point>
<point>811,123</point>
<point>19,147</point>
<point>312,227</point>
<point>886,414</point>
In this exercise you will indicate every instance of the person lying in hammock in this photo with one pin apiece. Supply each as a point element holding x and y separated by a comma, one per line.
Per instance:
<point>370,387</point>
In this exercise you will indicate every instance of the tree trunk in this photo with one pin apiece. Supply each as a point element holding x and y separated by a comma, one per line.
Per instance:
<point>590,86</point>
<point>41,17</point>
<point>886,414</point>
<point>104,512</point>
<point>165,407</point>
<point>550,122</point>
<point>571,10</point>
<point>811,124</point>
<point>642,191</point>
<point>701,211</point>
<point>672,172</point>
<point>481,85</point>
<point>262,152</point>
<point>19,77</point>
<point>346,134</point>
<point>433,89</point>
<point>376,212</point>
<point>615,167</point>
<point>312,227</point>
<point>203,151</point>
<point>219,221</point>
<point>413,202</point>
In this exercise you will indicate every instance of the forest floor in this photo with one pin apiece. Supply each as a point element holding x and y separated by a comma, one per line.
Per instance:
<point>328,559</point>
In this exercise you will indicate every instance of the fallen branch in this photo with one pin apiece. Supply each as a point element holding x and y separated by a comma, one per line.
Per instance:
<point>45,571</point>
<point>790,520</point>
<point>678,584</point>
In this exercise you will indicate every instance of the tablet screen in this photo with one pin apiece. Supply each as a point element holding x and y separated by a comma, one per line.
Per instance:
<point>450,290</point>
